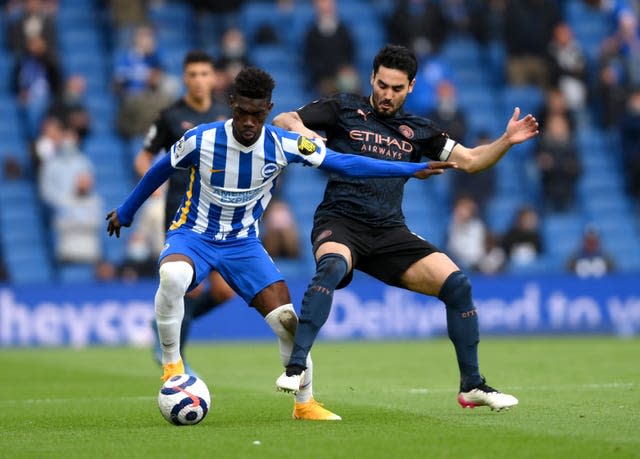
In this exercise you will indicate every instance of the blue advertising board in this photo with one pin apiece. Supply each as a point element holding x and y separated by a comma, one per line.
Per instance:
<point>120,313</point>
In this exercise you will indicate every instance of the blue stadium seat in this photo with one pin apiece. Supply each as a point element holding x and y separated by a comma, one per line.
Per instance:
<point>76,273</point>
<point>562,233</point>
<point>528,98</point>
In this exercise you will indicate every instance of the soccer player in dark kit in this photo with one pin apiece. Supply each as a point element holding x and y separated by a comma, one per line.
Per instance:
<point>360,224</point>
<point>194,108</point>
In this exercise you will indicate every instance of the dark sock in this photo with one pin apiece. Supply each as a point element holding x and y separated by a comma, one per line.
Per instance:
<point>295,370</point>
<point>316,305</point>
<point>194,308</point>
<point>462,326</point>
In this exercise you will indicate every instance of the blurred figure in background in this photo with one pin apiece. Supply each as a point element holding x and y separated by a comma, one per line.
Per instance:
<point>35,20</point>
<point>559,164</point>
<point>528,31</point>
<point>419,25</point>
<point>630,139</point>
<point>591,260</point>
<point>77,221</point>
<point>37,80</point>
<point>69,106</point>
<point>280,235</point>
<point>522,243</point>
<point>568,66</point>
<point>481,185</point>
<point>328,47</point>
<point>467,234</point>
<point>447,113</point>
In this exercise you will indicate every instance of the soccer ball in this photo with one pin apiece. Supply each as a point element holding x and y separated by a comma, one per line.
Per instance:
<point>184,400</point>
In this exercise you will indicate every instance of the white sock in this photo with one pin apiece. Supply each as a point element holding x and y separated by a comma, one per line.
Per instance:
<point>175,277</point>
<point>283,321</point>
<point>306,385</point>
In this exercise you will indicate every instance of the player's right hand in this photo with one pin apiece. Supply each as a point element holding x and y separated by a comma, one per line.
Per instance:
<point>114,224</point>
<point>435,168</point>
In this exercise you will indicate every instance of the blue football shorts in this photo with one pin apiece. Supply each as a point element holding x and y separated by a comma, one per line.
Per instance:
<point>243,263</point>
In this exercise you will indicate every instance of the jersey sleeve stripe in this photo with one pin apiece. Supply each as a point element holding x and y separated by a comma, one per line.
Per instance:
<point>187,204</point>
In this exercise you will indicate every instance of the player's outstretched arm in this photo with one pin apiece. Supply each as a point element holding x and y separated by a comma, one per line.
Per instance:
<point>155,176</point>
<point>361,166</point>
<point>484,156</point>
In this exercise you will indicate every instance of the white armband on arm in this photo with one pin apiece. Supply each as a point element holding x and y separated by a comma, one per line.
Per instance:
<point>447,149</point>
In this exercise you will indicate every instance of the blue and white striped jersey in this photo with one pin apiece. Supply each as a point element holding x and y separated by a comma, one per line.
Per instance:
<point>230,185</point>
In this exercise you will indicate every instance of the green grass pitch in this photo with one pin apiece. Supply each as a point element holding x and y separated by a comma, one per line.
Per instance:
<point>579,398</point>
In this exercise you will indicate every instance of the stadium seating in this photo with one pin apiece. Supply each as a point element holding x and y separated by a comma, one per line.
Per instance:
<point>87,48</point>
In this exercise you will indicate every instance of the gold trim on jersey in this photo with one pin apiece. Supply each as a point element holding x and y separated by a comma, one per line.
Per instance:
<point>187,205</point>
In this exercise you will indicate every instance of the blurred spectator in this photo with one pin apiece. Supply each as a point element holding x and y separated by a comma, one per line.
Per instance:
<point>559,164</point>
<point>529,27</point>
<point>328,47</point>
<point>48,142</point>
<point>466,235</point>
<point>34,20</point>
<point>69,107</point>
<point>37,80</point>
<point>62,165</point>
<point>419,25</point>
<point>447,114</point>
<point>12,169</point>
<point>481,185</point>
<point>147,239</point>
<point>591,260</point>
<point>233,52</point>
<point>213,17</point>
<point>280,235</point>
<point>135,66</point>
<point>4,273</point>
<point>630,142</point>
<point>137,111</point>
<point>125,16</point>
<point>467,17</point>
<point>522,243</point>
<point>555,103</point>
<point>495,259</point>
<point>78,221</point>
<point>105,271</point>
<point>619,69</point>
<point>568,66</point>
<point>432,70</point>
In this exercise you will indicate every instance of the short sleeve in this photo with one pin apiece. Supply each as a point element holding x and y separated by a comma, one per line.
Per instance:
<point>184,152</point>
<point>311,151</point>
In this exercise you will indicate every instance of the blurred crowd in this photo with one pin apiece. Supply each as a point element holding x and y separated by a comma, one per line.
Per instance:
<point>540,49</point>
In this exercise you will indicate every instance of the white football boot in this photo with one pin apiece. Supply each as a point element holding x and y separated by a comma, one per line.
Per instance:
<point>289,383</point>
<point>484,395</point>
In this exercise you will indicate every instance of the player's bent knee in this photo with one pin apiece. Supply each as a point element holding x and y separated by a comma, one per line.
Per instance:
<point>456,291</point>
<point>283,321</point>
<point>175,277</point>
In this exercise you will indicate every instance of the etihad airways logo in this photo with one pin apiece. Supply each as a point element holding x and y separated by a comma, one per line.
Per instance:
<point>384,145</point>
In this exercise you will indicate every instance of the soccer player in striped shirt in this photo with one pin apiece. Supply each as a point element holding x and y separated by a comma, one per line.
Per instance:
<point>233,166</point>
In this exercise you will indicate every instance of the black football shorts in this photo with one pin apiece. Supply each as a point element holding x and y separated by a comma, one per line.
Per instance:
<point>384,253</point>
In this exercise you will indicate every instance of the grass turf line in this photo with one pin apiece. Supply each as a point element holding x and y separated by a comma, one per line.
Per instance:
<point>578,398</point>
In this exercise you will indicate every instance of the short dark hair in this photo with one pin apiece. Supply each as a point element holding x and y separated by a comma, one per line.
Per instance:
<point>197,56</point>
<point>254,83</point>
<point>397,57</point>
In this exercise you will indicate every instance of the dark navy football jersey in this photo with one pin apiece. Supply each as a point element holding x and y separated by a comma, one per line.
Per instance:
<point>351,126</point>
<point>171,124</point>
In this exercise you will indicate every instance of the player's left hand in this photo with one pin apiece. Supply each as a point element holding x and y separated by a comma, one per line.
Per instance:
<point>519,130</point>
<point>114,224</point>
<point>434,168</point>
